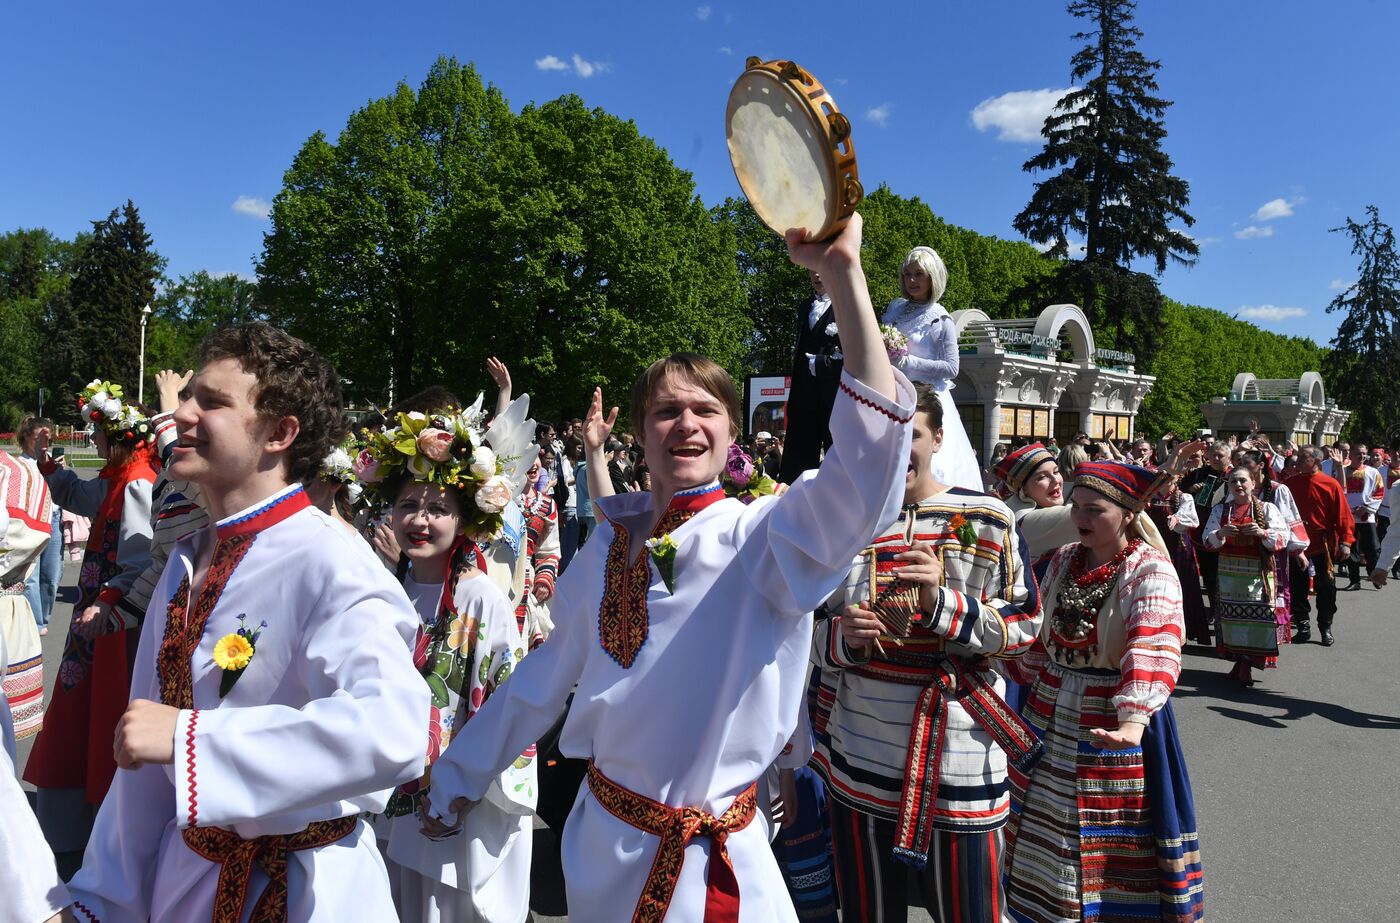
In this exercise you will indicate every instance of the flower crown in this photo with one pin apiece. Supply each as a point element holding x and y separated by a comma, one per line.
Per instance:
<point>446,448</point>
<point>101,404</point>
<point>339,466</point>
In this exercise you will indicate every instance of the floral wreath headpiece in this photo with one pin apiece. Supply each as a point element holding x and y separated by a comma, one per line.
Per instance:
<point>446,447</point>
<point>339,466</point>
<point>101,404</point>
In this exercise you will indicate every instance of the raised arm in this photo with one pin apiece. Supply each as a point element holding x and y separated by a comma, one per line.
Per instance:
<point>596,429</point>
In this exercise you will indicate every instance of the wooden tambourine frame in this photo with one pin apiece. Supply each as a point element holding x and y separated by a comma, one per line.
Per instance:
<point>830,132</point>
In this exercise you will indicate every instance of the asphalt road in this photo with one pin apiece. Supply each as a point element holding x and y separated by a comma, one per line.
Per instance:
<point>1297,781</point>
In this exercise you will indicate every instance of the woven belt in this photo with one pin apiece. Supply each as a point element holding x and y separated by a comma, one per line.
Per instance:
<point>235,857</point>
<point>956,678</point>
<point>677,827</point>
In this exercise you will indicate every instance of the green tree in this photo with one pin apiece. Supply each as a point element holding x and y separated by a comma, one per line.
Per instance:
<point>96,328</point>
<point>1365,358</point>
<point>1114,184</point>
<point>774,287</point>
<point>193,306</point>
<point>440,228</point>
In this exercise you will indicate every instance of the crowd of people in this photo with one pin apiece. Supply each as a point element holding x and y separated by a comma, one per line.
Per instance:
<point>332,669</point>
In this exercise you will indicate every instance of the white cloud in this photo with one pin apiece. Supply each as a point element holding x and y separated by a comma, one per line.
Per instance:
<point>578,64</point>
<point>586,69</point>
<point>1270,312</point>
<point>726,50</point>
<point>1019,115</point>
<point>1340,285</point>
<point>702,13</point>
<point>1278,208</point>
<point>1253,231</point>
<point>880,114</point>
<point>252,206</point>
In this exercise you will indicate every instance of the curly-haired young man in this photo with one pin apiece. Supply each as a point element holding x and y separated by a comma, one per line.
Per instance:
<point>274,697</point>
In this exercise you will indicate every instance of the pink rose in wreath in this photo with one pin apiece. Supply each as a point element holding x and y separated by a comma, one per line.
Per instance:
<point>435,444</point>
<point>366,468</point>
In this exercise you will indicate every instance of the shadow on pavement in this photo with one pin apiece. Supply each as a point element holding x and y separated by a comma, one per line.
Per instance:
<point>1203,683</point>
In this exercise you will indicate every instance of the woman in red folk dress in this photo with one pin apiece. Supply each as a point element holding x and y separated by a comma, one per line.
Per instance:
<point>1103,827</point>
<point>541,559</point>
<point>71,764</point>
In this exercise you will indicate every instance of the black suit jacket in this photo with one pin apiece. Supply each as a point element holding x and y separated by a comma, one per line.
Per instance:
<point>813,392</point>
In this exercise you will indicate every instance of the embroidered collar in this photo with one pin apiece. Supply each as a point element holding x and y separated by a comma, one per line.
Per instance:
<point>281,505</point>
<point>685,504</point>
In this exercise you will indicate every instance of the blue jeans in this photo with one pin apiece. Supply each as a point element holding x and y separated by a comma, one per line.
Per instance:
<point>42,587</point>
<point>568,538</point>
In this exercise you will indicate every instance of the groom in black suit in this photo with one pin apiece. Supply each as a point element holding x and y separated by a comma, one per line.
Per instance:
<point>816,371</point>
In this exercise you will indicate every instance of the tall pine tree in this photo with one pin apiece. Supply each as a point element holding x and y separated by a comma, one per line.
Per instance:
<point>97,328</point>
<point>1365,357</point>
<point>1114,186</point>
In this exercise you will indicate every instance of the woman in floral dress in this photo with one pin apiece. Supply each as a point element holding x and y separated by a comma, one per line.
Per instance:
<point>447,491</point>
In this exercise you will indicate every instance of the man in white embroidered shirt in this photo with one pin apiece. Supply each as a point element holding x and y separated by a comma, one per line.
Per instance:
<point>685,626</point>
<point>274,697</point>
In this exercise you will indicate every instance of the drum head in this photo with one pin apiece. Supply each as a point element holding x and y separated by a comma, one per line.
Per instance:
<point>794,168</point>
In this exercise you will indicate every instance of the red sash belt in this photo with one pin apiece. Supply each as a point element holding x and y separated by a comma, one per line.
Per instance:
<point>961,679</point>
<point>677,827</point>
<point>235,857</point>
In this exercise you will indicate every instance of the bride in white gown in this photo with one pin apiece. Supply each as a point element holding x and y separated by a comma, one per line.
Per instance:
<point>933,358</point>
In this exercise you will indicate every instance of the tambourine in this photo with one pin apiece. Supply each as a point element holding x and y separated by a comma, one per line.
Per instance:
<point>791,150</point>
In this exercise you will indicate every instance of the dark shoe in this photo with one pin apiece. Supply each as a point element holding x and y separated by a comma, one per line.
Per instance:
<point>1354,585</point>
<point>1303,636</point>
<point>1327,639</point>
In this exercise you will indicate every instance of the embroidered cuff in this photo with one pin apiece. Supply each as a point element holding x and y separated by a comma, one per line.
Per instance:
<point>110,595</point>
<point>49,467</point>
<point>900,410</point>
<point>186,770</point>
<point>839,652</point>
<point>88,915</point>
<point>1132,713</point>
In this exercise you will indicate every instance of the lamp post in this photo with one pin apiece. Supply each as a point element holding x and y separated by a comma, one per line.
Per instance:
<point>141,371</point>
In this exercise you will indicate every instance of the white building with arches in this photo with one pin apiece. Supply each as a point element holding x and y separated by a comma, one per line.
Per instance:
<point>1285,408</point>
<point>1041,377</point>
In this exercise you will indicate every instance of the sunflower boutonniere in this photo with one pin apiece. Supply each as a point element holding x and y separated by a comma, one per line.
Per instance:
<point>967,536</point>
<point>663,552</point>
<point>234,651</point>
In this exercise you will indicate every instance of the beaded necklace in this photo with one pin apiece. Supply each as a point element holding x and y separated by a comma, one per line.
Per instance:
<point>1074,624</point>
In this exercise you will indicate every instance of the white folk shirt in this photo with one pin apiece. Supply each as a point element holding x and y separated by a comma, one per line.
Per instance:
<point>30,889</point>
<point>1365,491</point>
<point>328,717</point>
<point>714,693</point>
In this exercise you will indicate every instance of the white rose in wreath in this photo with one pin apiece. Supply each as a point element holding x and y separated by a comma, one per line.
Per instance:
<point>483,462</point>
<point>420,467</point>
<point>113,410</point>
<point>493,496</point>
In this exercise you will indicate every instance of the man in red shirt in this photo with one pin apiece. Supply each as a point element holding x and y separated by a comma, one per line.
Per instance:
<point>1322,503</point>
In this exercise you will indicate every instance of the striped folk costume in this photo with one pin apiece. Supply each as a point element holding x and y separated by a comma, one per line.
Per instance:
<point>28,523</point>
<point>1101,835</point>
<point>913,739</point>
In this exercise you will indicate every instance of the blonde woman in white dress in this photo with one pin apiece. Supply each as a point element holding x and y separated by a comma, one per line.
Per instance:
<point>933,358</point>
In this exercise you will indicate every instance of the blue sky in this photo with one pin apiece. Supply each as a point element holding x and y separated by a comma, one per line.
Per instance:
<point>1284,123</point>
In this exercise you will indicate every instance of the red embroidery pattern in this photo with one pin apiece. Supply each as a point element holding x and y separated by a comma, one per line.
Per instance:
<point>677,827</point>
<point>79,905</point>
<point>235,857</point>
<point>623,623</point>
<point>189,766</point>
<point>182,631</point>
<point>860,399</point>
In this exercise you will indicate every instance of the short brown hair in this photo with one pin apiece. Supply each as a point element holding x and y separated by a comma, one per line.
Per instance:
<point>702,371</point>
<point>927,402</point>
<point>31,425</point>
<point>293,380</point>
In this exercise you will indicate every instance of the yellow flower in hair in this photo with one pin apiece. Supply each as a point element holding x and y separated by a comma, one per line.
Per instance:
<point>232,652</point>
